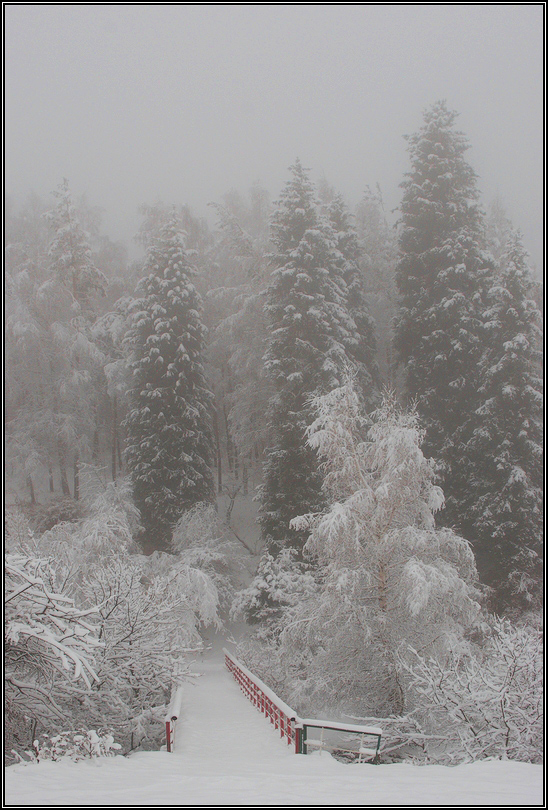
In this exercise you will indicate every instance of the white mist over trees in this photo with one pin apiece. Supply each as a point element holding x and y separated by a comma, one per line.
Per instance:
<point>146,403</point>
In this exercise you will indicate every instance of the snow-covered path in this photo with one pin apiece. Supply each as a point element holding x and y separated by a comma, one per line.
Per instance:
<point>216,717</point>
<point>227,754</point>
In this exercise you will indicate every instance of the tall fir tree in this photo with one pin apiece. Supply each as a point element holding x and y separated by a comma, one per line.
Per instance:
<point>306,355</point>
<point>360,341</point>
<point>507,511</point>
<point>498,229</point>
<point>442,277</point>
<point>378,258</point>
<point>70,253</point>
<point>169,445</point>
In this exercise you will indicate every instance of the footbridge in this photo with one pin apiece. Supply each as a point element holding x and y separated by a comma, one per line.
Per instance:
<point>231,698</point>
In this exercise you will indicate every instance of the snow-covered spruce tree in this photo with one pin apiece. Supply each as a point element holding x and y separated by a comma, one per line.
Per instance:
<point>388,578</point>
<point>442,278</point>
<point>507,511</point>
<point>310,326</point>
<point>169,446</point>
<point>234,307</point>
<point>378,259</point>
<point>498,229</point>
<point>360,342</point>
<point>70,253</point>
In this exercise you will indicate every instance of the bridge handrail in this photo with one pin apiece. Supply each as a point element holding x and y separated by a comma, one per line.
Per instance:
<point>329,724</point>
<point>291,713</point>
<point>173,713</point>
<point>298,726</point>
<point>282,716</point>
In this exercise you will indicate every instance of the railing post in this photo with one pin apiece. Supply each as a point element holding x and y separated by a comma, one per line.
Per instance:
<point>300,733</point>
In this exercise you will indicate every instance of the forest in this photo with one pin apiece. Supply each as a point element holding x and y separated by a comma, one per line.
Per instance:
<point>291,416</point>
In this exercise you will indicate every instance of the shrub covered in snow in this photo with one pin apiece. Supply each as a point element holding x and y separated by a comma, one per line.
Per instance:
<point>60,509</point>
<point>200,542</point>
<point>146,611</point>
<point>483,702</point>
<point>279,583</point>
<point>74,745</point>
<point>50,647</point>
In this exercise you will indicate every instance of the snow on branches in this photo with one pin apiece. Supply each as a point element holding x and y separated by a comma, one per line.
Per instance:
<point>126,658</point>
<point>49,643</point>
<point>387,576</point>
<point>487,704</point>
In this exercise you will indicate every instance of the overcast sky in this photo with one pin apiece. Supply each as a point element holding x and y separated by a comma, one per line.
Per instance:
<point>134,103</point>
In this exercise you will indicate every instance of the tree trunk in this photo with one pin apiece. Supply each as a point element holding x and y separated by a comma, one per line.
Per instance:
<point>31,489</point>
<point>244,478</point>
<point>95,447</point>
<point>228,440</point>
<point>76,477</point>
<point>114,437</point>
<point>218,452</point>
<point>382,587</point>
<point>50,474</point>
<point>236,457</point>
<point>62,453</point>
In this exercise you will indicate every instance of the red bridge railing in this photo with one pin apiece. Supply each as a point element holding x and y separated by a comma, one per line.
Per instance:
<point>173,712</point>
<point>294,728</point>
<point>282,716</point>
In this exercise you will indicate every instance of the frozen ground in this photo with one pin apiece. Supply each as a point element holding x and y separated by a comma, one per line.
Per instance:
<point>227,754</point>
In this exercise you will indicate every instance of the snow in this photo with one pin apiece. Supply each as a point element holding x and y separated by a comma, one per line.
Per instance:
<point>228,754</point>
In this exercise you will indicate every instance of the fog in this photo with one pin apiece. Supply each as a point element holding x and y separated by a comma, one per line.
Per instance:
<point>183,102</point>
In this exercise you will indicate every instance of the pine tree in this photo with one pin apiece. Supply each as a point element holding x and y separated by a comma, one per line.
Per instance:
<point>442,278</point>
<point>498,229</point>
<point>360,342</point>
<point>507,513</point>
<point>379,255</point>
<point>70,253</point>
<point>305,356</point>
<point>168,425</point>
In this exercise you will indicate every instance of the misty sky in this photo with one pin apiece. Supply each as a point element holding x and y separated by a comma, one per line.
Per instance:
<point>183,102</point>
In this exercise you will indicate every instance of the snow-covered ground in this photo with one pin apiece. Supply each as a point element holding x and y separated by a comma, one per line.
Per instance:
<point>227,754</point>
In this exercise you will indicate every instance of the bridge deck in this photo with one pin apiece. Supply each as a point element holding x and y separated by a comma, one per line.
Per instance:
<point>214,701</point>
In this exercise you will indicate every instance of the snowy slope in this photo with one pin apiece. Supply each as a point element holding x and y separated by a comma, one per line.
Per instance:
<point>227,754</point>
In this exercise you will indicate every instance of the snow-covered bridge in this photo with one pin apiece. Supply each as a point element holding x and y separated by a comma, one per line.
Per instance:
<point>227,754</point>
<point>217,702</point>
